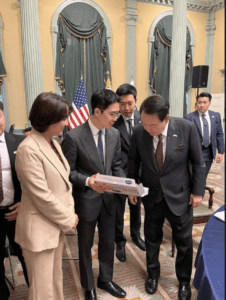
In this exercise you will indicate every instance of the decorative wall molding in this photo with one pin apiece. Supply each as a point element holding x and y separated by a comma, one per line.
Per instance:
<point>54,28</point>
<point>194,5</point>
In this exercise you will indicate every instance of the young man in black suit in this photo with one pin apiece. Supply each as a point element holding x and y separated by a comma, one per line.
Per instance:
<point>10,196</point>
<point>92,148</point>
<point>128,119</point>
<point>166,147</point>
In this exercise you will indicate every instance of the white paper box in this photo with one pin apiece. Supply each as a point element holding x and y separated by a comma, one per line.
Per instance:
<point>122,185</point>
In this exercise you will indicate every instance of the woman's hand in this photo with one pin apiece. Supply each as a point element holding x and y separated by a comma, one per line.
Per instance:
<point>76,221</point>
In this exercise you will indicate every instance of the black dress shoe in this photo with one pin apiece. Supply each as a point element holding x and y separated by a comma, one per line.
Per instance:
<point>151,285</point>
<point>91,295</point>
<point>139,243</point>
<point>121,253</point>
<point>112,288</point>
<point>184,292</point>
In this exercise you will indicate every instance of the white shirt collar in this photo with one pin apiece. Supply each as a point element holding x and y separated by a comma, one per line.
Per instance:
<point>94,129</point>
<point>2,137</point>
<point>164,133</point>
<point>206,113</point>
<point>125,118</point>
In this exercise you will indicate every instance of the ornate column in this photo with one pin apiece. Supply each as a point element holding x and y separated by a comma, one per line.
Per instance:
<point>178,52</point>
<point>131,18</point>
<point>210,31</point>
<point>31,51</point>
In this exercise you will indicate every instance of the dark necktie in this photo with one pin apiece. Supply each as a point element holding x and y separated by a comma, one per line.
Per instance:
<point>206,137</point>
<point>100,147</point>
<point>159,160</point>
<point>129,121</point>
<point>1,188</point>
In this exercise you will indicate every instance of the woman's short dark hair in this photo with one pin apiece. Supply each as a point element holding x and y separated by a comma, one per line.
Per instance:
<point>155,105</point>
<point>48,109</point>
<point>103,98</point>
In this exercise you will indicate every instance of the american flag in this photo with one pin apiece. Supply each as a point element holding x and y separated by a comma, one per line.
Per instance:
<point>80,107</point>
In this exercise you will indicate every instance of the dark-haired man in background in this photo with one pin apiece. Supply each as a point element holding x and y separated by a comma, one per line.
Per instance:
<point>10,196</point>
<point>209,128</point>
<point>92,148</point>
<point>128,119</point>
<point>165,146</point>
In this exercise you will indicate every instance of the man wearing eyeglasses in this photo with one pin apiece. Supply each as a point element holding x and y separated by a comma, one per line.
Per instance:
<point>93,148</point>
<point>128,119</point>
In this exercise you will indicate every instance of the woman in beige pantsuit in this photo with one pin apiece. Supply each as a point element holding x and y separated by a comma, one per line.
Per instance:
<point>47,205</point>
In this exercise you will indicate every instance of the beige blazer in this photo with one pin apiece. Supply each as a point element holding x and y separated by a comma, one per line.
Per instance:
<point>47,205</point>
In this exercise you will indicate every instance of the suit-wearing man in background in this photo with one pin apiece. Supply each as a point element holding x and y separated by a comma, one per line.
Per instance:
<point>165,146</point>
<point>128,119</point>
<point>93,148</point>
<point>209,128</point>
<point>10,196</point>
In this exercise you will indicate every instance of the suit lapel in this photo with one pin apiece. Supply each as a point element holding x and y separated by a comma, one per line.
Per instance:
<point>197,121</point>
<point>136,117</point>
<point>173,139</point>
<point>11,146</point>
<point>121,126</point>
<point>148,142</point>
<point>212,121</point>
<point>108,145</point>
<point>90,147</point>
<point>49,153</point>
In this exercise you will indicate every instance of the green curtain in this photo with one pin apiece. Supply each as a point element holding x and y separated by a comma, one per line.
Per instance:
<point>81,48</point>
<point>2,71</point>
<point>159,71</point>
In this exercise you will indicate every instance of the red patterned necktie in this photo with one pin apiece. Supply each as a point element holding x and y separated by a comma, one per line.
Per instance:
<point>159,160</point>
<point>1,188</point>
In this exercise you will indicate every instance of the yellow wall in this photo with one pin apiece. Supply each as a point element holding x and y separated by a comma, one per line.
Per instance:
<point>12,48</point>
<point>219,54</point>
<point>115,11</point>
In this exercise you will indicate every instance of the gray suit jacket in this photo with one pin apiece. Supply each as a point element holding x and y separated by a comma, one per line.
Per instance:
<point>183,147</point>
<point>81,152</point>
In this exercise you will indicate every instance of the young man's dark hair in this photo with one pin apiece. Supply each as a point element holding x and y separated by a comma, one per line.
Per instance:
<point>40,115</point>
<point>155,105</point>
<point>202,95</point>
<point>103,98</point>
<point>127,89</point>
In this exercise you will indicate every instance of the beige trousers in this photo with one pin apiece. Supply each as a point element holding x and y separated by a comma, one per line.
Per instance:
<point>45,273</point>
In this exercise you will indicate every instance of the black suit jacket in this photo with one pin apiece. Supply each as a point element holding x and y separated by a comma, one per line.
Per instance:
<point>124,136</point>
<point>81,152</point>
<point>183,147</point>
<point>12,142</point>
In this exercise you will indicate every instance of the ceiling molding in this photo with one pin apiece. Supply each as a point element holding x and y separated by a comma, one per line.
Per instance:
<point>194,5</point>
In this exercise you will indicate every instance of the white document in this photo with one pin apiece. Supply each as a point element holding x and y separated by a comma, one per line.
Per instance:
<point>124,186</point>
<point>220,215</point>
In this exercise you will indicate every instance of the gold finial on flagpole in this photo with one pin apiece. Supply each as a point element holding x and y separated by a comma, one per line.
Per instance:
<point>81,75</point>
<point>108,82</point>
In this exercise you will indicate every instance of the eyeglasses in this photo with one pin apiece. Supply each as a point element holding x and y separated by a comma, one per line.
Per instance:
<point>112,115</point>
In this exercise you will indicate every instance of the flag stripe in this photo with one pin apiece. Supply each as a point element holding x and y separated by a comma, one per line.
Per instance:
<point>80,107</point>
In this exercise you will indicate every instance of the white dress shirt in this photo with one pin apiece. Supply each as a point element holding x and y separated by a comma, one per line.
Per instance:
<point>95,131</point>
<point>207,116</point>
<point>164,139</point>
<point>126,123</point>
<point>7,182</point>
